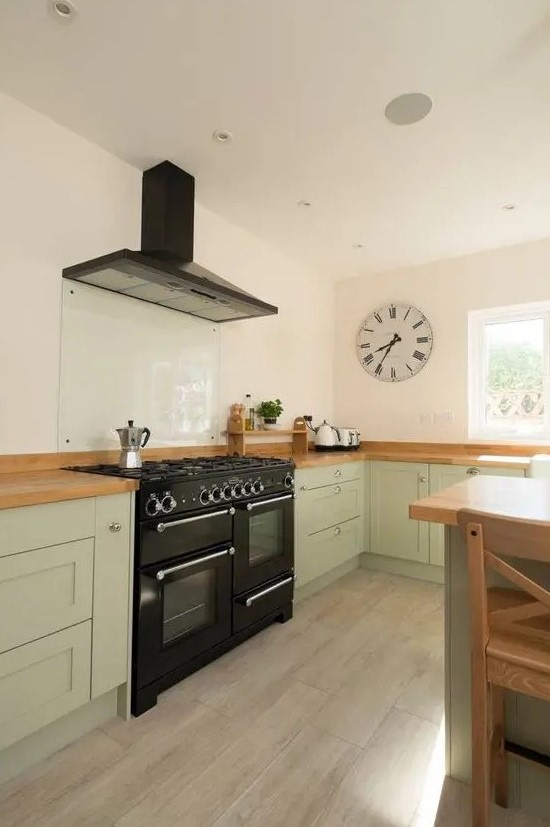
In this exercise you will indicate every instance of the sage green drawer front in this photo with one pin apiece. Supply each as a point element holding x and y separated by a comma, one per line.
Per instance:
<point>443,476</point>
<point>44,680</point>
<point>44,591</point>
<point>321,508</point>
<point>37,526</point>
<point>317,477</point>
<point>321,552</point>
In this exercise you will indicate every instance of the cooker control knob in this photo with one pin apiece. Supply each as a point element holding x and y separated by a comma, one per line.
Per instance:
<point>237,490</point>
<point>153,506</point>
<point>204,497</point>
<point>168,503</point>
<point>257,487</point>
<point>289,481</point>
<point>216,494</point>
<point>247,488</point>
<point>226,492</point>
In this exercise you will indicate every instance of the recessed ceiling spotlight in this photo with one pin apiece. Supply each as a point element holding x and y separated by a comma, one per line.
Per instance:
<point>223,136</point>
<point>304,203</point>
<point>409,108</point>
<point>508,206</point>
<point>63,9</point>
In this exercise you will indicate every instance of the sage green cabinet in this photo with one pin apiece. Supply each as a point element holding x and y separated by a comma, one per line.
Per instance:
<point>329,518</point>
<point>394,486</point>
<point>443,476</point>
<point>65,580</point>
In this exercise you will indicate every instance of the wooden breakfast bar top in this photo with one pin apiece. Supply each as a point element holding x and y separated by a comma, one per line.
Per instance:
<point>518,498</point>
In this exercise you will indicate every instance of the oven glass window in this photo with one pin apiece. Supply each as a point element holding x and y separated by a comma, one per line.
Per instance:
<point>266,536</point>
<point>189,605</point>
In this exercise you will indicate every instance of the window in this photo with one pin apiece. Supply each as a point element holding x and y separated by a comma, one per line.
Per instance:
<point>508,365</point>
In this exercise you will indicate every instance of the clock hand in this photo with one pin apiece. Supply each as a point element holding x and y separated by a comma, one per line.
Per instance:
<point>395,339</point>
<point>398,339</point>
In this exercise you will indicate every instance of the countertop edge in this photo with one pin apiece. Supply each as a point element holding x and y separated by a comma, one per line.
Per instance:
<point>42,487</point>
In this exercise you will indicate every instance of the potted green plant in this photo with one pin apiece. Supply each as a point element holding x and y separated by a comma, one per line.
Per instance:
<point>270,411</point>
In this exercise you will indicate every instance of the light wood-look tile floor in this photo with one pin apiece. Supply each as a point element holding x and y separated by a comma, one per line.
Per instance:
<point>332,719</point>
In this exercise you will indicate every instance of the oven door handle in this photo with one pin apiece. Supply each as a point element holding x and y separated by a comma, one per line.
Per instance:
<point>250,506</point>
<point>163,526</point>
<point>251,600</point>
<point>163,572</point>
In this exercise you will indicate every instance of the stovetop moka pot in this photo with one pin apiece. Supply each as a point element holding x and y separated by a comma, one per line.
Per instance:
<point>131,443</point>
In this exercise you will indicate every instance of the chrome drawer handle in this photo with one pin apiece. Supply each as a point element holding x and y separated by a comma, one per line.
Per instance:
<point>251,600</point>
<point>115,527</point>
<point>337,531</point>
<point>338,490</point>
<point>163,526</point>
<point>163,572</point>
<point>473,472</point>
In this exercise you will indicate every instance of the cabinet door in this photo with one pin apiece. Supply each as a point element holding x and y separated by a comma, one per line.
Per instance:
<point>44,590</point>
<point>43,680</point>
<point>442,476</point>
<point>112,570</point>
<point>394,486</point>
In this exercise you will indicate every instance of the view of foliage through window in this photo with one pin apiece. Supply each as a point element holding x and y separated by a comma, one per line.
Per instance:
<point>515,370</point>
<point>515,367</point>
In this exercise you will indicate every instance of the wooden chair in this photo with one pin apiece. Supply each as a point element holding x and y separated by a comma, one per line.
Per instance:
<point>510,646</point>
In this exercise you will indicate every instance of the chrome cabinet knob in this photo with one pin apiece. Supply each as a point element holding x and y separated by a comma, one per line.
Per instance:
<point>337,531</point>
<point>337,473</point>
<point>338,489</point>
<point>114,527</point>
<point>422,479</point>
<point>473,472</point>
<point>303,488</point>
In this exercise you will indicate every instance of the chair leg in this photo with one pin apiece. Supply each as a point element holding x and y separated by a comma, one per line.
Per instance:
<point>481,751</point>
<point>500,762</point>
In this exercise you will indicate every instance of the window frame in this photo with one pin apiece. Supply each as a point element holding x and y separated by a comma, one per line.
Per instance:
<point>478,320</point>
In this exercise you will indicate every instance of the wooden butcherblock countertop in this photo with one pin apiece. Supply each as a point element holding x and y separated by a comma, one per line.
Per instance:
<point>29,479</point>
<point>316,459</point>
<point>518,498</point>
<point>35,487</point>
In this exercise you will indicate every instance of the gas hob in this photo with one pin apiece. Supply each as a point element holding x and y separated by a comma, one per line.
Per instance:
<point>195,483</point>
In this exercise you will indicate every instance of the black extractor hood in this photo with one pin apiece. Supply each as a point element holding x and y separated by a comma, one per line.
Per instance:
<point>163,271</point>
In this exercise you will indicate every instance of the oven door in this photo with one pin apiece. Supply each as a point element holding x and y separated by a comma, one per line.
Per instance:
<point>264,541</point>
<point>184,608</point>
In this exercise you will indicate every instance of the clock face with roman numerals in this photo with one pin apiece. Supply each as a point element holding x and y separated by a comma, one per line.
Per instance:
<point>394,342</point>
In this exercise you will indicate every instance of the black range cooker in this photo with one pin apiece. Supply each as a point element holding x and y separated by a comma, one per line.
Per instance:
<point>214,561</point>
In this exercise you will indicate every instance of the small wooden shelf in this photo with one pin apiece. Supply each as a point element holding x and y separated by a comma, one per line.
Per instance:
<point>237,436</point>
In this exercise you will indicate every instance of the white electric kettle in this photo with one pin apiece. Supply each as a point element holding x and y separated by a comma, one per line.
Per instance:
<point>327,437</point>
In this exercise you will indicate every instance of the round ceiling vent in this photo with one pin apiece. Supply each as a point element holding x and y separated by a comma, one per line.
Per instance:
<point>409,108</point>
<point>63,9</point>
<point>223,136</point>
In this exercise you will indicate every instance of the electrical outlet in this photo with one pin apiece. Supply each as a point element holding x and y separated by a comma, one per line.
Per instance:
<point>308,418</point>
<point>443,417</point>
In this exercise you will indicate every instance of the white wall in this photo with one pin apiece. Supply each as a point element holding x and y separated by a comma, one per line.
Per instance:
<point>62,200</point>
<point>445,291</point>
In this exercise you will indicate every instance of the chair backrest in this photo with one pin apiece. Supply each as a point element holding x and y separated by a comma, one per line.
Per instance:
<point>489,538</point>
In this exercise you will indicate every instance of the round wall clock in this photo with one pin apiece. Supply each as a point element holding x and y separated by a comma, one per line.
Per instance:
<point>394,342</point>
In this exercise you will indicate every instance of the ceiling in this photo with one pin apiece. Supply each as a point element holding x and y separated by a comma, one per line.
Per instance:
<point>302,85</point>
